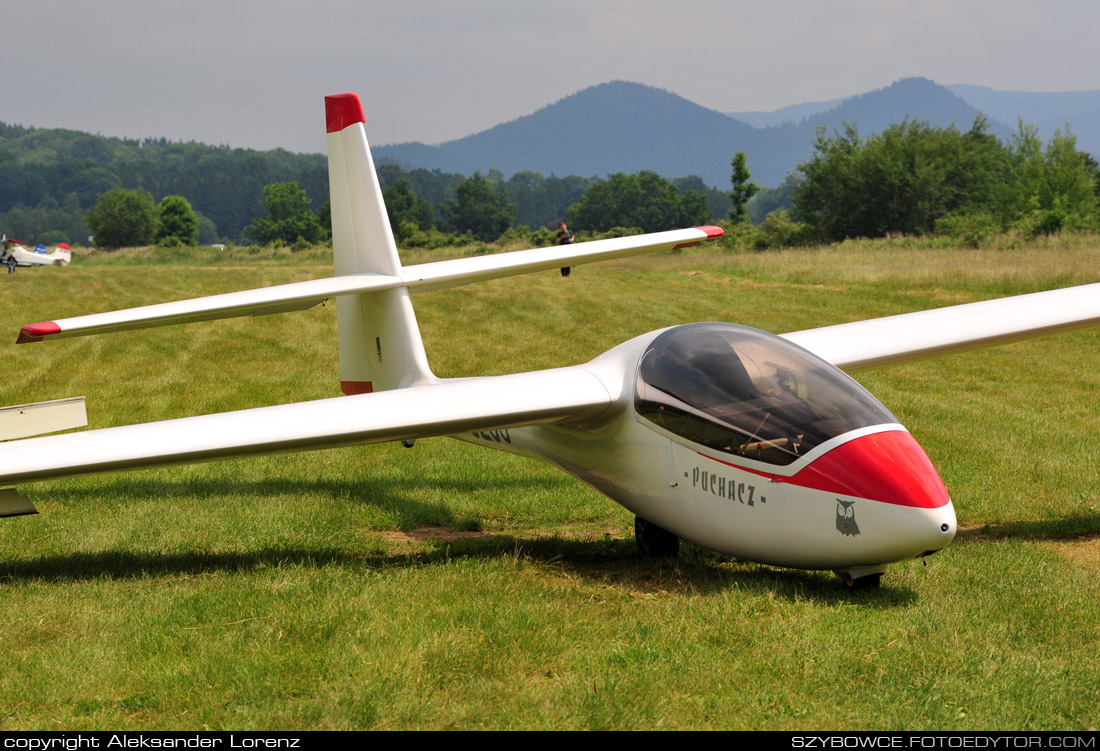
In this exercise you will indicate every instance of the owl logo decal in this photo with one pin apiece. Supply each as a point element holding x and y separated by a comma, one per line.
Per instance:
<point>846,518</point>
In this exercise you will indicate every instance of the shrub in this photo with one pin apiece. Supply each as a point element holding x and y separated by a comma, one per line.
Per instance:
<point>123,218</point>
<point>971,230</point>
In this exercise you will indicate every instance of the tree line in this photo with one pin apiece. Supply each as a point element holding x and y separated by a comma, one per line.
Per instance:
<point>50,179</point>
<point>910,179</point>
<point>916,179</point>
<point>479,209</point>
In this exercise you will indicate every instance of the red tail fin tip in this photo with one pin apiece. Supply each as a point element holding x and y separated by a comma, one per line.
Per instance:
<point>342,110</point>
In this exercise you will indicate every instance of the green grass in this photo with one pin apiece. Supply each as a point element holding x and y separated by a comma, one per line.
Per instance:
<point>452,587</point>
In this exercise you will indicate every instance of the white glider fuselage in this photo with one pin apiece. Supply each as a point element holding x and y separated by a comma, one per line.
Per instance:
<point>860,500</point>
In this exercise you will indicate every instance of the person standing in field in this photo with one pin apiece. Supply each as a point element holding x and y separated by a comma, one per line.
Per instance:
<point>565,237</point>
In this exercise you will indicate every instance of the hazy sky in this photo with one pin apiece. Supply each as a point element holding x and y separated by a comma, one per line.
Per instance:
<point>253,73</point>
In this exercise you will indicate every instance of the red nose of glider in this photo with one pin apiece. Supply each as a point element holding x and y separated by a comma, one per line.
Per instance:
<point>889,467</point>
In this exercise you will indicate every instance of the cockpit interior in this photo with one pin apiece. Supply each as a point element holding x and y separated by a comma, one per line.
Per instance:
<point>746,392</point>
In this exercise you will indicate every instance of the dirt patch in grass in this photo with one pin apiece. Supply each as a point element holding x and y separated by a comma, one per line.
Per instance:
<point>755,283</point>
<point>1083,551</point>
<point>431,533</point>
<point>977,534</point>
<point>434,535</point>
<point>941,295</point>
<point>1067,531</point>
<point>790,285</point>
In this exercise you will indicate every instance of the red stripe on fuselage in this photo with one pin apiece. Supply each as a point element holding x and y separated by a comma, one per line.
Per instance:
<point>889,467</point>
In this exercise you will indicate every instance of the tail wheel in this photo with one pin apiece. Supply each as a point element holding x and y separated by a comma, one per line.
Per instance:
<point>654,541</point>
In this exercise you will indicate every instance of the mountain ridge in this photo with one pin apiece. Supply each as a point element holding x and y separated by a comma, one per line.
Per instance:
<point>621,126</point>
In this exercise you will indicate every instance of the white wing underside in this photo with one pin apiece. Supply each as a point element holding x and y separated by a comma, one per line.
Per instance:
<point>912,336</point>
<point>445,408</point>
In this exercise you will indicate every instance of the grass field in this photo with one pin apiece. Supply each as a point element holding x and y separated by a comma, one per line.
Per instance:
<point>452,587</point>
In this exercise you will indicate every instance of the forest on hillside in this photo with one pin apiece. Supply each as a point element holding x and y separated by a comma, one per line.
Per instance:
<point>51,178</point>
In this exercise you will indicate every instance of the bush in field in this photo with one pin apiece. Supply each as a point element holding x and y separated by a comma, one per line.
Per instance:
<point>410,235</point>
<point>971,230</point>
<point>406,209</point>
<point>177,220</point>
<point>479,207</point>
<point>644,200</point>
<point>123,218</point>
<point>783,232</point>
<point>1049,189</point>
<point>777,230</point>
<point>912,175</point>
<point>289,217</point>
<point>544,236</point>
<point>301,244</point>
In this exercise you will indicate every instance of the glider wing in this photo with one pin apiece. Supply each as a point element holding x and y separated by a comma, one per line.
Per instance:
<point>911,336</point>
<point>446,408</point>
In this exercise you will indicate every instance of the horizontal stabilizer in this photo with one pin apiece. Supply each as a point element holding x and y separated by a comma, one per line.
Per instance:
<point>302,295</point>
<point>25,420</point>
<point>912,336</point>
<point>445,408</point>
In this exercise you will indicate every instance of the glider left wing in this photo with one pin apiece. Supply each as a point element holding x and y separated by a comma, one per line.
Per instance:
<point>445,408</point>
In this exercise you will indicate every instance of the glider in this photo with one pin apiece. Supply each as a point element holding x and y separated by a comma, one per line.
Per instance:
<point>755,445</point>
<point>23,255</point>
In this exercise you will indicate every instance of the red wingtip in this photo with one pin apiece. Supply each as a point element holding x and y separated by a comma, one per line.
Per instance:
<point>352,388</point>
<point>33,332</point>
<point>711,231</point>
<point>342,110</point>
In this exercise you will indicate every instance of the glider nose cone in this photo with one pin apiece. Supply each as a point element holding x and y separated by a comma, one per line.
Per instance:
<point>891,468</point>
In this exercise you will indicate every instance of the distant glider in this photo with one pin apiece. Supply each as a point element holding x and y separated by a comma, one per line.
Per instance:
<point>751,444</point>
<point>23,255</point>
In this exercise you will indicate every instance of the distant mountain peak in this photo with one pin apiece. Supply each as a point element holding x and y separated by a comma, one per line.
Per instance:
<point>625,126</point>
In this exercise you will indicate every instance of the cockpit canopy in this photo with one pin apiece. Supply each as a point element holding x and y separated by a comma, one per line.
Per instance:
<point>747,392</point>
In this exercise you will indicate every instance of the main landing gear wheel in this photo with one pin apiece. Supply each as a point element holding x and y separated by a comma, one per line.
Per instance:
<point>869,581</point>
<point>654,541</point>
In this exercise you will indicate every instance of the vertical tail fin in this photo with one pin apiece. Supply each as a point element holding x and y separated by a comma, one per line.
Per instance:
<point>380,344</point>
